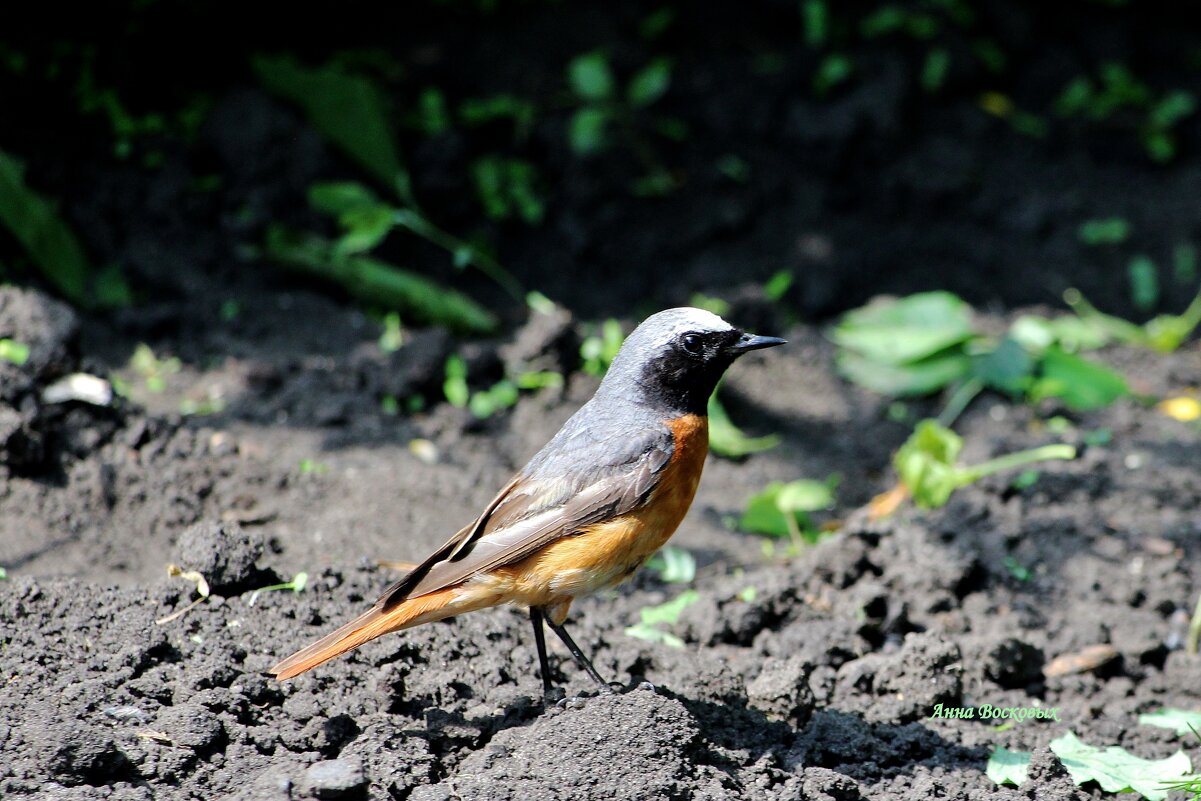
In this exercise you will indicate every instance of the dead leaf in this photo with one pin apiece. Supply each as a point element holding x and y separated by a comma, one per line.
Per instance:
<point>1088,658</point>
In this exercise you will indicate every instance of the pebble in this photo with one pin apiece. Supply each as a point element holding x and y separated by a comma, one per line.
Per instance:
<point>335,778</point>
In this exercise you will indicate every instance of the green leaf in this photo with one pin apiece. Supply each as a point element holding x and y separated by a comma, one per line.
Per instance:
<point>1072,333</point>
<point>336,198</point>
<point>669,613</point>
<point>1107,231</point>
<point>599,351</point>
<point>1008,767</point>
<point>347,109</point>
<point>909,380</point>
<point>13,352</point>
<point>1173,108</point>
<point>643,631</point>
<point>817,22</point>
<point>901,331</point>
<point>590,76</point>
<point>935,68</point>
<point>379,282</point>
<point>454,386</point>
<point>1116,770</point>
<point>586,131</point>
<point>500,395</point>
<point>781,510</point>
<point>674,565</point>
<point>1181,721</point>
<point>650,83</point>
<point>1144,282</point>
<point>1008,367</point>
<point>665,614</point>
<point>926,464</point>
<point>778,285</point>
<point>1082,385</point>
<point>365,228</point>
<point>834,69</point>
<point>45,236</point>
<point>726,439</point>
<point>806,495</point>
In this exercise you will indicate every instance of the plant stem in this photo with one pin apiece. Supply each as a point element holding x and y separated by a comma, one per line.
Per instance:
<point>418,224</point>
<point>967,475</point>
<point>963,395</point>
<point>1194,630</point>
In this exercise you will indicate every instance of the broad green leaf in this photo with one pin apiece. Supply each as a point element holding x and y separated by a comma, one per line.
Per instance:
<point>781,510</point>
<point>910,380</point>
<point>1082,385</point>
<point>347,109</point>
<point>1008,367</point>
<point>1181,721</point>
<point>900,331</point>
<point>379,282</point>
<point>674,565</point>
<point>805,495</point>
<point>1116,770</point>
<point>590,76</point>
<point>650,83</point>
<point>726,439</point>
<point>45,236</point>
<point>1008,767</point>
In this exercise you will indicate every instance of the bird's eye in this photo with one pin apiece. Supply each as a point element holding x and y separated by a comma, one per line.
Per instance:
<point>692,344</point>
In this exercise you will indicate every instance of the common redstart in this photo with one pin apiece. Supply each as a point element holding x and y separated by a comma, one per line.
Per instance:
<point>592,506</point>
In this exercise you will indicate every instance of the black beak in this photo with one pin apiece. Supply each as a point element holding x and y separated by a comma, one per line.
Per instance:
<point>752,342</point>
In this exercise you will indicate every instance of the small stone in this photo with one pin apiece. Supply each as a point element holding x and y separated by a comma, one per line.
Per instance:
<point>335,778</point>
<point>125,713</point>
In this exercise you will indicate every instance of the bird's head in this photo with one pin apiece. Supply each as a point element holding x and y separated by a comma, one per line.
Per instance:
<point>676,357</point>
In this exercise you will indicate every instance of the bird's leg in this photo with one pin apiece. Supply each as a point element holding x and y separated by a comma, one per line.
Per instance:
<point>580,659</point>
<point>537,618</point>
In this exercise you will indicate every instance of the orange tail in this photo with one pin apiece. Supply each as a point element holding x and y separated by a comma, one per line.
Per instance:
<point>366,627</point>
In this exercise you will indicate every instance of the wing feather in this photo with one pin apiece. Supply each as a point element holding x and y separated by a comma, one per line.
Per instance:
<point>531,512</point>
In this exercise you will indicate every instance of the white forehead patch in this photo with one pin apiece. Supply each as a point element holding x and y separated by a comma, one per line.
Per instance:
<point>687,318</point>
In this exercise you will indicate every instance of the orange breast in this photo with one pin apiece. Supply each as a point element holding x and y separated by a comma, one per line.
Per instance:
<point>606,553</point>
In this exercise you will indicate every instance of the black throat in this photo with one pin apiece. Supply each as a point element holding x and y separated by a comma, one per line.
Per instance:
<point>680,384</point>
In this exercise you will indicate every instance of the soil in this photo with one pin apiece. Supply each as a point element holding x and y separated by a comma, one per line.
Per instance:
<point>810,677</point>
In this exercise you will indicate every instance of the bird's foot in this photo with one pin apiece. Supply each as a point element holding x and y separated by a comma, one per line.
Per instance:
<point>553,695</point>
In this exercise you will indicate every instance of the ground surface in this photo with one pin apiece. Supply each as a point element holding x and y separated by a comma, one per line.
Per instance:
<point>820,683</point>
<point>819,686</point>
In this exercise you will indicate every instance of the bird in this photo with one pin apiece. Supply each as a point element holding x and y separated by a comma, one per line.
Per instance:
<point>587,510</point>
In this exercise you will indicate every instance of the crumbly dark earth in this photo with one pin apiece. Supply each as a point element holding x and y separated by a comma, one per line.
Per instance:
<point>819,684</point>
